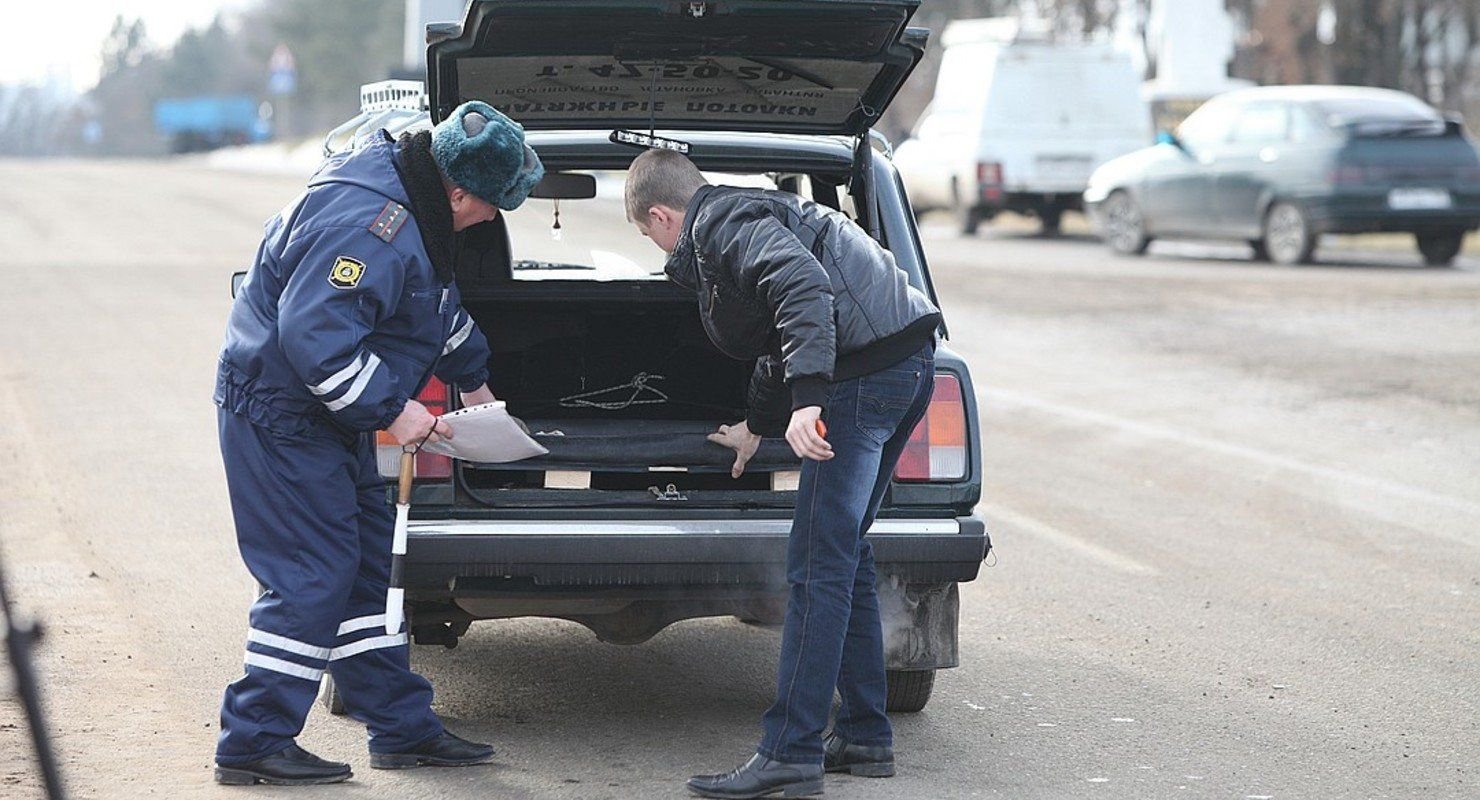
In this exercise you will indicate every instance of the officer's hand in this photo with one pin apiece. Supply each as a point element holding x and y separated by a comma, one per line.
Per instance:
<point>478,396</point>
<point>741,440</point>
<point>803,437</point>
<point>414,422</point>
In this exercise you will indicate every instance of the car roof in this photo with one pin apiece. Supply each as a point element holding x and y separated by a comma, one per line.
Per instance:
<point>714,150</point>
<point>1317,93</point>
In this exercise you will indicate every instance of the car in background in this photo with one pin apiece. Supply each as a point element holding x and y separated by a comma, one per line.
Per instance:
<point>1019,120</point>
<point>1278,167</point>
<point>632,521</point>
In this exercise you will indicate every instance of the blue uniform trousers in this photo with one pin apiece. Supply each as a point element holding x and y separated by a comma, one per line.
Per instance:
<point>314,527</point>
<point>833,636</point>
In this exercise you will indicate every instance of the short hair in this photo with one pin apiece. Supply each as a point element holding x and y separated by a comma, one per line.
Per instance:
<point>661,178</point>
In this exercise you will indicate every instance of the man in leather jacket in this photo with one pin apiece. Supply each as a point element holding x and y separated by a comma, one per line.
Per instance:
<point>844,369</point>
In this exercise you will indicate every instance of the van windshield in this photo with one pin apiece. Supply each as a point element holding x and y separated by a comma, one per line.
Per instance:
<point>594,241</point>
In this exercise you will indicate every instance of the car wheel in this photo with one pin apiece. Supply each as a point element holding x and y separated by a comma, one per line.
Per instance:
<point>1052,219</point>
<point>1288,238</point>
<point>909,689</point>
<point>1124,226</point>
<point>1439,249</point>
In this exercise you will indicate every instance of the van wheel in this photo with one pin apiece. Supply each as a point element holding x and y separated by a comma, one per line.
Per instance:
<point>1125,227</point>
<point>1287,235</point>
<point>909,689</point>
<point>970,220</point>
<point>1440,248</point>
<point>329,696</point>
<point>1052,219</point>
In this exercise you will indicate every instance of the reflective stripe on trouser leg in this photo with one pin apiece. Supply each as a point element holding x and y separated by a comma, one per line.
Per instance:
<point>371,668</point>
<point>293,503</point>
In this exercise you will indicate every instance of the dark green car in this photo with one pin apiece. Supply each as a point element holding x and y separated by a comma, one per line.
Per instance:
<point>1279,166</point>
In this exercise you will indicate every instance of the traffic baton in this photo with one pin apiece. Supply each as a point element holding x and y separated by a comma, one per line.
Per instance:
<point>395,596</point>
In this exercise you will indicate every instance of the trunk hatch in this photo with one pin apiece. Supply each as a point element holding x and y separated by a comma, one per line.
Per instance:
<point>819,67</point>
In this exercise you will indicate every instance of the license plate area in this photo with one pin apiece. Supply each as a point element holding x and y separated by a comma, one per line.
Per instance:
<point>1420,199</point>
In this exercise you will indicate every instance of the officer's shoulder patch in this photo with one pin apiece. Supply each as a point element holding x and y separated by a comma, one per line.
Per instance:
<point>346,272</point>
<point>389,223</point>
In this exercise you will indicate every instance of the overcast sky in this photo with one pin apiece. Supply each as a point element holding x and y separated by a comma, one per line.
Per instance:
<point>64,37</point>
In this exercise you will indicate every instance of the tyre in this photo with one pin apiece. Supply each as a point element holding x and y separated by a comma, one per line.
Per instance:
<point>1052,219</point>
<point>1440,248</point>
<point>1124,226</point>
<point>1288,238</point>
<point>909,689</point>
<point>329,696</point>
<point>970,219</point>
<point>1261,253</point>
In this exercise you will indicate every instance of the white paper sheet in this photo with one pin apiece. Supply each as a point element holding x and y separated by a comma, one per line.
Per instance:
<point>486,434</point>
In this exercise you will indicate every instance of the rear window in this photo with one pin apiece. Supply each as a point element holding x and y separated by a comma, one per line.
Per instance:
<point>595,241</point>
<point>1379,115</point>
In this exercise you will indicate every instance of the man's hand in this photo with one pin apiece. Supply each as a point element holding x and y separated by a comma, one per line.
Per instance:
<point>803,437</point>
<point>412,425</point>
<point>478,396</point>
<point>738,438</point>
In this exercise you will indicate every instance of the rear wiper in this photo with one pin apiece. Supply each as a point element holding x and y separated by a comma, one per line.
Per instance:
<point>525,263</point>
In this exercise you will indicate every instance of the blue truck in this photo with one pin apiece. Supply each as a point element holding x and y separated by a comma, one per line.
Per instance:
<point>206,122</point>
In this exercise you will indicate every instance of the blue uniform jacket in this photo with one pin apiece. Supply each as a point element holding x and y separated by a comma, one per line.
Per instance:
<point>342,316</point>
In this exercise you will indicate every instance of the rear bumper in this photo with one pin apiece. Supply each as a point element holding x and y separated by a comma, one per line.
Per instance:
<point>1368,212</point>
<point>448,558</point>
<point>1031,201</point>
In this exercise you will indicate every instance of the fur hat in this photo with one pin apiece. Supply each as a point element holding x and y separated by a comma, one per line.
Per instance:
<point>484,152</point>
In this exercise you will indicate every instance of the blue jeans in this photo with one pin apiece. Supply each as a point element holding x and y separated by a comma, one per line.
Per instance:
<point>832,636</point>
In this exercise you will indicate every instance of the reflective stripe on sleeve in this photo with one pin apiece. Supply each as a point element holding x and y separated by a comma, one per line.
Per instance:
<point>358,387</point>
<point>459,337</point>
<point>337,379</point>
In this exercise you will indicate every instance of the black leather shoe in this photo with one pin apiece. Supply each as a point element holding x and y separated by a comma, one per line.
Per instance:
<point>841,755</point>
<point>761,777</point>
<point>291,767</point>
<point>446,750</point>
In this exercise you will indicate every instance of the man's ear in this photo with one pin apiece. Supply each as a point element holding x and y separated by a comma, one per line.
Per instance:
<point>663,217</point>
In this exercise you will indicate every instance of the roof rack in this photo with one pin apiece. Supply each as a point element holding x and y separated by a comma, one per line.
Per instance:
<point>396,106</point>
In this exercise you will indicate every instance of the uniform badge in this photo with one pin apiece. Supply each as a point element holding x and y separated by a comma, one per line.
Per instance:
<point>346,272</point>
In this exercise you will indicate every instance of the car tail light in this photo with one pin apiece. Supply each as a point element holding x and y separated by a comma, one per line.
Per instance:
<point>427,465</point>
<point>989,180</point>
<point>1353,176</point>
<point>936,450</point>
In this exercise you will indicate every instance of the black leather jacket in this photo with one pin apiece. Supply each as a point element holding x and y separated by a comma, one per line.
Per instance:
<point>801,289</point>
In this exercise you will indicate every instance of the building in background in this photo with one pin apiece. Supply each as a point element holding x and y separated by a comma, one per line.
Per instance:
<point>1190,44</point>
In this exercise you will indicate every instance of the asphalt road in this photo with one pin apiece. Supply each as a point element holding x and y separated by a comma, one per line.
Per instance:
<point>1236,510</point>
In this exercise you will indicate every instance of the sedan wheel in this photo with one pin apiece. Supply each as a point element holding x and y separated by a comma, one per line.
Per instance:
<point>1440,248</point>
<point>1287,235</point>
<point>1125,228</point>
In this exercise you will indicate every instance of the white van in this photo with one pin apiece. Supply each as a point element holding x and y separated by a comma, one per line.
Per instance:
<point>1019,120</point>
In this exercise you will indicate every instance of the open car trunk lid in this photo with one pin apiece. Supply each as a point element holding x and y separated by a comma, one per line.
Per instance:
<point>783,66</point>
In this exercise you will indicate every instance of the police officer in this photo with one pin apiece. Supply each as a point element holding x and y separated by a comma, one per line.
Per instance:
<point>348,311</point>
